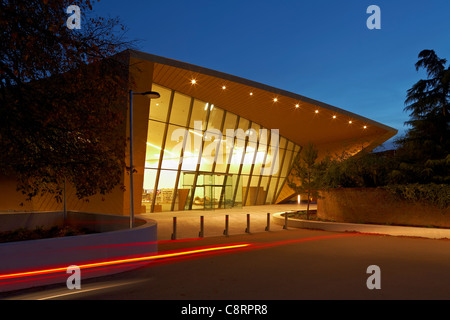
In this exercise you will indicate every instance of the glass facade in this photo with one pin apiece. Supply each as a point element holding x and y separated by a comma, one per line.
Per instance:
<point>200,156</point>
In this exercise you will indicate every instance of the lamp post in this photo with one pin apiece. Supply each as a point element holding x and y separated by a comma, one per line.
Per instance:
<point>150,95</point>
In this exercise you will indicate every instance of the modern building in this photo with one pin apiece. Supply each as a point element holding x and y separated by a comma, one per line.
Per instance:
<point>214,140</point>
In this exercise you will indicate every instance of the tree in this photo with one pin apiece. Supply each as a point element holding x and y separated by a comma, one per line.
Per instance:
<point>62,98</point>
<point>307,174</point>
<point>423,152</point>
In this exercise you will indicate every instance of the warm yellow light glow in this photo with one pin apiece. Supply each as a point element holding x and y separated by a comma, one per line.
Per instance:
<point>298,199</point>
<point>317,111</point>
<point>365,127</point>
<point>297,105</point>
<point>334,117</point>
<point>193,81</point>
<point>159,148</point>
<point>350,122</point>
<point>223,87</point>
<point>275,99</point>
<point>251,93</point>
<point>196,133</point>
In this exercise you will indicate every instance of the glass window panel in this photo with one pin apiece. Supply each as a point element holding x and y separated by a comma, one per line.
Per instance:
<point>286,163</point>
<point>230,123</point>
<point>243,127</point>
<point>253,132</point>
<point>159,107</point>
<point>215,119</point>
<point>249,157</point>
<point>164,193</point>
<point>277,169</point>
<point>199,113</point>
<point>191,151</point>
<point>180,109</point>
<point>210,149</point>
<point>173,146</point>
<point>154,142</point>
<point>237,155</point>
<point>262,190</point>
<point>290,146</point>
<point>261,154</point>
<point>280,186</point>
<point>273,183</point>
<point>149,185</point>
<point>244,182</point>
<point>222,158</point>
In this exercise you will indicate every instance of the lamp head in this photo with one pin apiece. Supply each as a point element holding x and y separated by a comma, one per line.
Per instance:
<point>151,94</point>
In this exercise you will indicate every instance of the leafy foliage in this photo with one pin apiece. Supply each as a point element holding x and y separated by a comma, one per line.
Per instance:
<point>434,194</point>
<point>62,98</point>
<point>307,173</point>
<point>423,153</point>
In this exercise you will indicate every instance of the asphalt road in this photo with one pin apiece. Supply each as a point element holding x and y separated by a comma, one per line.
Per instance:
<point>280,265</point>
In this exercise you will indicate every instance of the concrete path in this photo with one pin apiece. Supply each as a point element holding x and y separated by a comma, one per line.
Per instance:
<point>188,222</point>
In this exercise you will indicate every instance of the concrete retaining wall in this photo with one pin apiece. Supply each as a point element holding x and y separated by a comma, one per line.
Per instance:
<point>375,205</point>
<point>116,241</point>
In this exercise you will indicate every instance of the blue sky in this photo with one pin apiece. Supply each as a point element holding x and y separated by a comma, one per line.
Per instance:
<point>321,49</point>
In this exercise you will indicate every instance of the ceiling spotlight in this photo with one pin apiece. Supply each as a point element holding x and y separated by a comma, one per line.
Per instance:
<point>334,117</point>
<point>223,87</point>
<point>251,93</point>
<point>193,81</point>
<point>350,122</point>
<point>275,99</point>
<point>317,111</point>
<point>297,105</point>
<point>365,127</point>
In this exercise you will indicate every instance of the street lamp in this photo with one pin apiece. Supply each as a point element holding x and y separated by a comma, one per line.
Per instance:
<point>150,95</point>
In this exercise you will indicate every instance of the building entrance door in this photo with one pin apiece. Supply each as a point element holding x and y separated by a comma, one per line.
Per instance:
<point>210,191</point>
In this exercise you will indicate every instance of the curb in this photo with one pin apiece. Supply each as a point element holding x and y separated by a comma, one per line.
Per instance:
<point>430,233</point>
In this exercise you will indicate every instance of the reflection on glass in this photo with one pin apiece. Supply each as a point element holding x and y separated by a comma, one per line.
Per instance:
<point>234,166</point>
<point>154,142</point>
<point>159,107</point>
<point>180,109</point>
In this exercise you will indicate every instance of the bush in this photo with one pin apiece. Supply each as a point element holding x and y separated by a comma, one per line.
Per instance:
<point>435,194</point>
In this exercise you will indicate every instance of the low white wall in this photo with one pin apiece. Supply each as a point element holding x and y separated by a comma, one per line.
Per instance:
<point>24,256</point>
<point>431,233</point>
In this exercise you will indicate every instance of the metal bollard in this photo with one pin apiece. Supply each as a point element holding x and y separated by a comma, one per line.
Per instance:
<point>201,233</point>
<point>247,230</point>
<point>268,222</point>
<point>174,234</point>
<point>225,232</point>
<point>285,220</point>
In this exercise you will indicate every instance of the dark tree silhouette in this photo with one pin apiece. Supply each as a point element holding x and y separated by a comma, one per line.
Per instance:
<point>62,98</point>
<point>424,150</point>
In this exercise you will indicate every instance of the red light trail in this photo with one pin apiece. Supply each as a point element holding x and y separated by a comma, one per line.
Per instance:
<point>166,256</point>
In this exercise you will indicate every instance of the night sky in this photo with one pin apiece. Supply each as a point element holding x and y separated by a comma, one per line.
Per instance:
<point>321,49</point>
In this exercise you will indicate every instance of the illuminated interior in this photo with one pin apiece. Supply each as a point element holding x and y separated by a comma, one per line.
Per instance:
<point>200,156</point>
